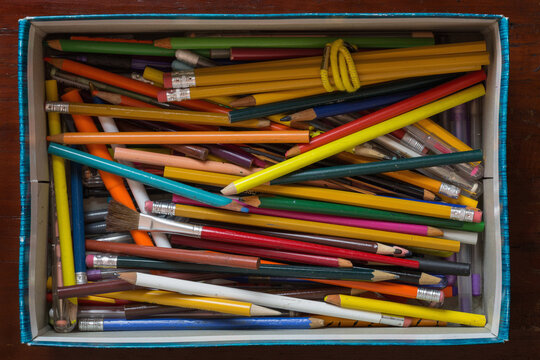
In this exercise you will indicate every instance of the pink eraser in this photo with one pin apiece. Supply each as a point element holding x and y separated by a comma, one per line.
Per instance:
<point>167,80</point>
<point>407,322</point>
<point>162,96</point>
<point>441,297</point>
<point>477,216</point>
<point>148,206</point>
<point>90,261</point>
<point>474,171</point>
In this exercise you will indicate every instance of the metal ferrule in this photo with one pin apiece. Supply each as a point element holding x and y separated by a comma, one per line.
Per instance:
<point>81,278</point>
<point>183,81</point>
<point>449,190</point>
<point>164,208</point>
<point>57,106</point>
<point>91,324</point>
<point>177,94</point>
<point>151,223</point>
<point>413,143</point>
<point>392,320</point>
<point>462,214</point>
<point>431,295</point>
<point>115,237</point>
<point>105,261</point>
<point>139,77</point>
<point>187,56</point>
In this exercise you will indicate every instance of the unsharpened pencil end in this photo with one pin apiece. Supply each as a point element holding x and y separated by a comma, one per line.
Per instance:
<point>229,189</point>
<point>58,138</point>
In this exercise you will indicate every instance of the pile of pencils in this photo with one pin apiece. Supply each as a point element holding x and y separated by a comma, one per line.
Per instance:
<point>256,199</point>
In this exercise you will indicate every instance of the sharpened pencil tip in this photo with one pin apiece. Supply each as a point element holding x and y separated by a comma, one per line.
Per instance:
<point>229,189</point>
<point>285,118</point>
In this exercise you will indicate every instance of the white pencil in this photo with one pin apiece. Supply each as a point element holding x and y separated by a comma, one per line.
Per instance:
<point>137,189</point>
<point>263,299</point>
<point>465,237</point>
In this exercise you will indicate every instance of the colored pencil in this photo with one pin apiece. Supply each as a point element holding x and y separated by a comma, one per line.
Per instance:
<point>113,182</point>
<point>270,300</point>
<point>348,106</point>
<point>289,256</point>
<point>147,157</point>
<point>335,196</point>
<point>306,226</point>
<point>412,229</point>
<point>360,303</point>
<point>154,114</point>
<point>380,167</point>
<point>200,324</point>
<point>143,177</point>
<point>266,269</point>
<point>352,140</point>
<point>122,82</point>
<point>233,154</point>
<point>302,205</point>
<point>326,98</point>
<point>122,62</point>
<point>286,42</point>
<point>184,137</point>
<point>276,96</point>
<point>391,111</point>
<point>193,302</point>
<point>109,47</point>
<point>331,322</point>
<point>101,287</point>
<point>175,254</point>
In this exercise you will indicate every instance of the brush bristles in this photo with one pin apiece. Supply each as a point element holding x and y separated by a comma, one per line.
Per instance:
<point>121,218</point>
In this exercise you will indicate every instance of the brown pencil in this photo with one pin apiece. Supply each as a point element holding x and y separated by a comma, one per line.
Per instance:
<point>192,256</point>
<point>184,137</point>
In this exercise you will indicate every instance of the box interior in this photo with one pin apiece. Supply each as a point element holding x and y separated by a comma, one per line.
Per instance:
<point>39,177</point>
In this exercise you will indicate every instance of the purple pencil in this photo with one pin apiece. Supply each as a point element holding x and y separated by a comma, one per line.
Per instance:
<point>413,229</point>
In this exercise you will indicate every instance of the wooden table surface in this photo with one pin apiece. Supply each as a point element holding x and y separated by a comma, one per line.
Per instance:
<point>523,175</point>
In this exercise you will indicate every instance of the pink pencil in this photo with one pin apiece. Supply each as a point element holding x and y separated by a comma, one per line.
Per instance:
<point>413,229</point>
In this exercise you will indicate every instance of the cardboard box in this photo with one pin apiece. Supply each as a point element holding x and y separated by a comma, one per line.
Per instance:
<point>35,177</point>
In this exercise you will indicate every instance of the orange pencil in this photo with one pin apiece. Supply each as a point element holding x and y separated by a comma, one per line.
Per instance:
<point>113,183</point>
<point>120,81</point>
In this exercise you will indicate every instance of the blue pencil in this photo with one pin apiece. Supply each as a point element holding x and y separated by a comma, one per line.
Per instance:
<point>77,221</point>
<point>326,110</point>
<point>156,181</point>
<point>247,323</point>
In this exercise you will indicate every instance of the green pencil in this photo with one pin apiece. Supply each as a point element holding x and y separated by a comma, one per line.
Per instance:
<point>327,98</point>
<point>319,207</point>
<point>300,42</point>
<point>106,47</point>
<point>379,167</point>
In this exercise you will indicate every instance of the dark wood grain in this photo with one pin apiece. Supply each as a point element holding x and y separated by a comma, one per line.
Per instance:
<point>523,167</point>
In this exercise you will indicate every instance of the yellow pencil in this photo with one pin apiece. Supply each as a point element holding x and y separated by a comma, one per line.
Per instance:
<point>60,191</point>
<point>313,227</point>
<point>328,195</point>
<point>154,75</point>
<point>389,307</point>
<point>192,302</point>
<point>350,141</point>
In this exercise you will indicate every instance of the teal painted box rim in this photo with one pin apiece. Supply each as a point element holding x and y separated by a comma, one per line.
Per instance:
<point>24,28</point>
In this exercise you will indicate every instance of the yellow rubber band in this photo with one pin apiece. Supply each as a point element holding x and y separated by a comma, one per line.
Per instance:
<point>344,74</point>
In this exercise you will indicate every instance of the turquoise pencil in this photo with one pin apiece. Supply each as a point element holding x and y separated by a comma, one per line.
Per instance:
<point>156,181</point>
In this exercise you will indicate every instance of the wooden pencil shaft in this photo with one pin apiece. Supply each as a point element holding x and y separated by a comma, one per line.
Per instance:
<point>184,137</point>
<point>109,47</point>
<point>326,98</point>
<point>380,167</point>
<point>439,49</point>
<point>269,300</point>
<point>364,67</point>
<point>254,251</point>
<point>118,285</point>
<point>290,42</point>
<point>175,254</point>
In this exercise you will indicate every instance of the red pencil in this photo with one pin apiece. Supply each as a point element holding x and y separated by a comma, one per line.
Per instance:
<point>389,112</point>
<point>318,260</point>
